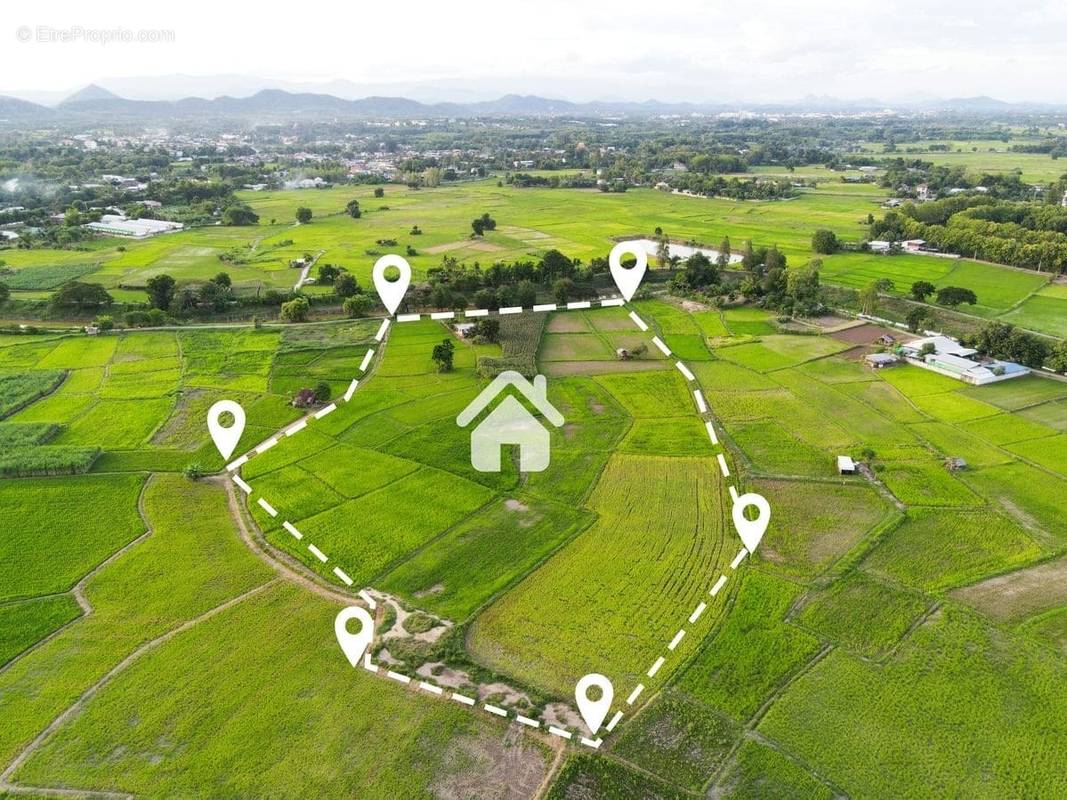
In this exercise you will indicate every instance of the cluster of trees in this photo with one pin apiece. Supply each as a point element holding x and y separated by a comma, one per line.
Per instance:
<point>81,296</point>
<point>215,294</point>
<point>699,274</point>
<point>905,175</point>
<point>455,285</point>
<point>1001,340</point>
<point>524,180</point>
<point>356,302</point>
<point>239,214</point>
<point>733,188</point>
<point>1027,235</point>
<point>794,292</point>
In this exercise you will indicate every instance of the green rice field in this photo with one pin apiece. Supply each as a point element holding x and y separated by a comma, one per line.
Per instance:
<point>188,641</point>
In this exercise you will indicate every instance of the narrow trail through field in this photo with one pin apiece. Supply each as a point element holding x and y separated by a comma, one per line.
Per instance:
<point>280,561</point>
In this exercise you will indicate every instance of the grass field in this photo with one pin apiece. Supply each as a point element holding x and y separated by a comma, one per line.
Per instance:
<point>185,718</point>
<point>850,617</point>
<point>581,223</point>
<point>994,689</point>
<point>53,558</point>
<point>934,549</point>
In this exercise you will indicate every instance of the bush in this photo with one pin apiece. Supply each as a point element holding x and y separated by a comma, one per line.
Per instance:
<point>825,242</point>
<point>296,310</point>
<point>194,471</point>
<point>357,305</point>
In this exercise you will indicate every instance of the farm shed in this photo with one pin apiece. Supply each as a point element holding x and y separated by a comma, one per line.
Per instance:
<point>880,360</point>
<point>845,465</point>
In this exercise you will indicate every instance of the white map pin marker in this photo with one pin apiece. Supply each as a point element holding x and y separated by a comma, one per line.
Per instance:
<point>354,644</point>
<point>226,439</point>
<point>750,530</point>
<point>594,711</point>
<point>628,279</point>
<point>391,292</point>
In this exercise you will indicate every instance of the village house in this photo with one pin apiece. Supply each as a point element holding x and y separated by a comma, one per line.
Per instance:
<point>947,356</point>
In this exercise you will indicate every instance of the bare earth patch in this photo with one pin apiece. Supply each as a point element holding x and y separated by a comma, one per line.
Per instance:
<point>444,676</point>
<point>563,716</point>
<point>490,767</point>
<point>503,694</point>
<point>487,247</point>
<point>1019,594</point>
<point>446,247</point>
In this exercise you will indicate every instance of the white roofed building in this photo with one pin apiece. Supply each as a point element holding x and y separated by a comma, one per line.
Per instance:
<point>119,225</point>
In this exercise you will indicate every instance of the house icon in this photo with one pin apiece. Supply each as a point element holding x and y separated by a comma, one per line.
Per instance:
<point>511,423</point>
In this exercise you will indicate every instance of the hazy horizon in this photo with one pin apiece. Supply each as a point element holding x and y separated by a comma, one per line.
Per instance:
<point>768,51</point>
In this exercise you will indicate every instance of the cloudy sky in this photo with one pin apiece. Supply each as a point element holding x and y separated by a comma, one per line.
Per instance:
<point>758,50</point>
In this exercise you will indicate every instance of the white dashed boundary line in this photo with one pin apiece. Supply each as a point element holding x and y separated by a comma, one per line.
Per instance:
<point>426,686</point>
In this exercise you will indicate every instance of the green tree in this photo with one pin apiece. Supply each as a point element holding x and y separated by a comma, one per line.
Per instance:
<point>486,330</point>
<point>357,305</point>
<point>379,191</point>
<point>482,224</point>
<point>222,279</point>
<point>442,355</point>
<point>556,265</point>
<point>104,322</point>
<point>1057,360</point>
<point>663,250</point>
<point>920,290</point>
<point>321,392</point>
<point>5,293</point>
<point>345,285</point>
<point>953,296</point>
<point>352,208</point>
<point>723,259</point>
<point>525,294</point>
<point>487,298</point>
<point>295,310</point>
<point>824,241</point>
<point>869,298</point>
<point>76,294</point>
<point>563,290</point>
<point>160,290</point>
<point>303,215</point>
<point>916,318</point>
<point>328,273</point>
<point>239,215</point>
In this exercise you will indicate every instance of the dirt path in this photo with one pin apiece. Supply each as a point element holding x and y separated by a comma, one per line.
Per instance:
<point>281,562</point>
<point>553,769</point>
<point>307,269</point>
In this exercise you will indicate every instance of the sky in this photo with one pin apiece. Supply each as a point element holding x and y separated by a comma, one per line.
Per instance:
<point>672,50</point>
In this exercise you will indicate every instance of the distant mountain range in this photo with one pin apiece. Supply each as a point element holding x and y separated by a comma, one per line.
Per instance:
<point>94,101</point>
